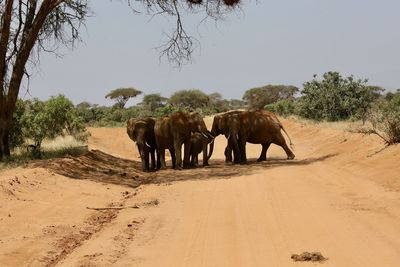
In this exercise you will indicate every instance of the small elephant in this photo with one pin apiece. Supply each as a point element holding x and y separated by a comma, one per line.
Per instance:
<point>141,131</point>
<point>198,144</point>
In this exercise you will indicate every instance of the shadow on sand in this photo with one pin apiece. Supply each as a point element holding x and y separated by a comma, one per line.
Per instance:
<point>98,166</point>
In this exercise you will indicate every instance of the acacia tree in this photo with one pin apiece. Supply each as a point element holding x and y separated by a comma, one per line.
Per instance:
<point>261,96</point>
<point>154,101</point>
<point>122,95</point>
<point>29,27</point>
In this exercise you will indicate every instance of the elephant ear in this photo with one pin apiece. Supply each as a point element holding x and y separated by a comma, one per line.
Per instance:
<point>131,129</point>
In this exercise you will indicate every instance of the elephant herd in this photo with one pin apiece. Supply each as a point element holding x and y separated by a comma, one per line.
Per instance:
<point>154,136</point>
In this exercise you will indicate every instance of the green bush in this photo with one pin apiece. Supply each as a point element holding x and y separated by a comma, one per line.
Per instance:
<point>284,107</point>
<point>335,98</point>
<point>50,119</point>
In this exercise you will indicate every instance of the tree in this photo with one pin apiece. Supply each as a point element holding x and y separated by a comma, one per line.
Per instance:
<point>260,96</point>
<point>336,98</point>
<point>26,25</point>
<point>122,95</point>
<point>154,101</point>
<point>43,25</point>
<point>84,105</point>
<point>192,99</point>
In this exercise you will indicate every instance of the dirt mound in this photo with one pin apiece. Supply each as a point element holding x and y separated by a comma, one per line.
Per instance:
<point>309,256</point>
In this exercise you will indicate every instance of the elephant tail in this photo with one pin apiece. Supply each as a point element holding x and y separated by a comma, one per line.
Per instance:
<point>290,140</point>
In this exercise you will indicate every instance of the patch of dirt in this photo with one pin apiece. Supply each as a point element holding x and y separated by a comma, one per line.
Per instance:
<point>309,256</point>
<point>75,237</point>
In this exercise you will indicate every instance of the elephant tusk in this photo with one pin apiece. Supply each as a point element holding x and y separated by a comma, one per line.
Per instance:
<point>237,136</point>
<point>229,136</point>
<point>203,134</point>
<point>147,144</point>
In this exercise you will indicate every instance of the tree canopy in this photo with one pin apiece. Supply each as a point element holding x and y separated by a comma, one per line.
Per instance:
<point>260,96</point>
<point>153,101</point>
<point>193,98</point>
<point>122,95</point>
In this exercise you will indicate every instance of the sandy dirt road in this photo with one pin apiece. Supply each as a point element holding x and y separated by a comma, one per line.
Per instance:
<point>339,197</point>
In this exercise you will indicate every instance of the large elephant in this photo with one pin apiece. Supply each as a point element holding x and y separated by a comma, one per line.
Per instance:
<point>228,124</point>
<point>198,144</point>
<point>141,131</point>
<point>262,127</point>
<point>256,126</point>
<point>175,130</point>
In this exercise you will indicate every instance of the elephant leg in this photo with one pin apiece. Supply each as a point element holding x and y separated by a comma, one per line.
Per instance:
<point>178,155</point>
<point>144,155</point>
<point>197,160</point>
<point>228,153</point>
<point>205,159</point>
<point>153,159</point>
<point>280,141</point>
<point>162,158</point>
<point>192,159</point>
<point>242,150</point>
<point>263,155</point>
<point>173,158</point>
<point>158,159</point>
<point>186,155</point>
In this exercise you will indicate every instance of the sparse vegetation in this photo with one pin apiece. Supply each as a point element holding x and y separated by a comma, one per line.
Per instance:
<point>385,119</point>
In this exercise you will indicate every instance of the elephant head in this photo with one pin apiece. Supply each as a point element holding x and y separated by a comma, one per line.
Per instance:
<point>196,124</point>
<point>141,131</point>
<point>228,124</point>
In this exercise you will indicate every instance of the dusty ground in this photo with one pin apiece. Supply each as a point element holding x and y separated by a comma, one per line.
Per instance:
<point>339,197</point>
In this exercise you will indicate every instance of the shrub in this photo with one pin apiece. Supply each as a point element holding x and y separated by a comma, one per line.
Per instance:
<point>284,107</point>
<point>335,98</point>
<point>50,119</point>
<point>385,119</point>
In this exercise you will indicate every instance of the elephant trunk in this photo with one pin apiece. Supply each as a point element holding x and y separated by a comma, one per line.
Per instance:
<point>211,149</point>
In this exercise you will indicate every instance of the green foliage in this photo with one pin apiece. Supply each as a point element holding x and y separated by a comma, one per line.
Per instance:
<point>336,98</point>
<point>166,110</point>
<point>50,119</point>
<point>261,96</point>
<point>122,95</point>
<point>153,101</point>
<point>191,99</point>
<point>385,118</point>
<point>283,107</point>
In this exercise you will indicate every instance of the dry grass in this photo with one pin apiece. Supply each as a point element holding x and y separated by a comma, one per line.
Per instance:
<point>56,148</point>
<point>348,126</point>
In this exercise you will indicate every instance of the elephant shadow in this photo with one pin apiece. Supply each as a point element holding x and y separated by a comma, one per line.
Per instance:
<point>98,166</point>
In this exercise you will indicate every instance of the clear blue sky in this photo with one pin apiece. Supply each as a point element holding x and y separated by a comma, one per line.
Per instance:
<point>270,42</point>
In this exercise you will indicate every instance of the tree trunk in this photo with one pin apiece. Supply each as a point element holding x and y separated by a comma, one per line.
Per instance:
<point>4,137</point>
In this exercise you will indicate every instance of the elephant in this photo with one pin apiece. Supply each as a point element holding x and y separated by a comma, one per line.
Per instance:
<point>253,126</point>
<point>228,124</point>
<point>141,131</point>
<point>175,130</point>
<point>198,144</point>
<point>262,127</point>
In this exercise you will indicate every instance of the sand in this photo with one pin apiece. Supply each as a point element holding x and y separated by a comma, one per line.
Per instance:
<point>338,197</point>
